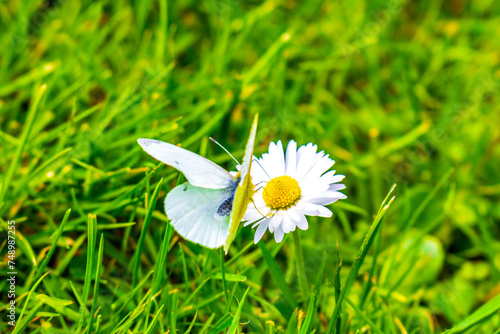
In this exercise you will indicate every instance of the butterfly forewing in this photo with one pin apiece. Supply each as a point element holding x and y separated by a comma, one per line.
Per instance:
<point>198,171</point>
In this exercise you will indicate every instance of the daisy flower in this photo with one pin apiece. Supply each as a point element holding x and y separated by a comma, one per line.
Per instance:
<point>290,187</point>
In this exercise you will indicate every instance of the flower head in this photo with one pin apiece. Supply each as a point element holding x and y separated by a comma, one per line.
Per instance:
<point>290,187</point>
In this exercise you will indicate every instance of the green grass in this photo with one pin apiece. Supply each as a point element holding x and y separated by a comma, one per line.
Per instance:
<point>396,92</point>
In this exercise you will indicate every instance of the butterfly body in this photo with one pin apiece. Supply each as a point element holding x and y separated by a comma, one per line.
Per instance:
<point>227,206</point>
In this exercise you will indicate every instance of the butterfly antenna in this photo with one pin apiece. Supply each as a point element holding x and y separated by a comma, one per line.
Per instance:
<point>215,141</point>
<point>258,163</point>
<point>255,206</point>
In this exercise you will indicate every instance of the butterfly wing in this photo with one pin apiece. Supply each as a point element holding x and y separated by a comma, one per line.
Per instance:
<point>200,172</point>
<point>245,189</point>
<point>200,215</point>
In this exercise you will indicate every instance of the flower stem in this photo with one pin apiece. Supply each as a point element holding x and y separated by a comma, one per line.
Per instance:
<point>301,272</point>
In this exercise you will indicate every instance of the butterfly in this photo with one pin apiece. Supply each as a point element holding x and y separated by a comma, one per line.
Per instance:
<point>207,209</point>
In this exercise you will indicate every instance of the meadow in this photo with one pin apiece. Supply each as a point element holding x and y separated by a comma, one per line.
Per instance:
<point>403,95</point>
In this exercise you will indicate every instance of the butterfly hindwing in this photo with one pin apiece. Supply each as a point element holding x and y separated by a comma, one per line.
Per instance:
<point>200,215</point>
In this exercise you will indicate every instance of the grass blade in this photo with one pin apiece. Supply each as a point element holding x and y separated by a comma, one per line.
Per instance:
<point>358,261</point>
<point>155,320</point>
<point>363,315</point>
<point>159,270</point>
<point>277,275</point>
<point>54,244</point>
<point>309,316</point>
<point>20,319</point>
<point>191,325</point>
<point>222,324</point>
<point>485,311</point>
<point>224,285</point>
<point>28,124</point>
<point>236,320</point>
<point>91,242</point>
<point>144,231</point>
<point>96,282</point>
<point>31,314</point>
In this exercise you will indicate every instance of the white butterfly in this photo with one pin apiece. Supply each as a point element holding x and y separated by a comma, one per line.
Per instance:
<point>207,209</point>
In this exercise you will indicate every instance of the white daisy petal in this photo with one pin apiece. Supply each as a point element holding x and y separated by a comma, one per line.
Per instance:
<point>336,186</point>
<point>311,209</point>
<point>279,234</point>
<point>341,196</point>
<point>327,177</point>
<point>291,158</point>
<point>261,229</point>
<point>301,222</point>
<point>328,198</point>
<point>287,225</point>
<point>312,189</point>
<point>305,161</point>
<point>337,178</point>
<point>296,217</point>
<point>324,211</point>
<point>276,152</point>
<point>321,166</point>
<point>275,222</point>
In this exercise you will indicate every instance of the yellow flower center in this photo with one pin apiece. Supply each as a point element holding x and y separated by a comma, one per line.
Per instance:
<point>281,192</point>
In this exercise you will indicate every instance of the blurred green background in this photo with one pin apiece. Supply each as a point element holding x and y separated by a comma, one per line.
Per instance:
<point>395,91</point>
